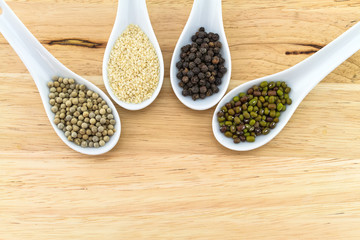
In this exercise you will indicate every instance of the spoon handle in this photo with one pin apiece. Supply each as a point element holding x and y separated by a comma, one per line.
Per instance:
<point>315,68</point>
<point>35,57</point>
<point>207,13</point>
<point>131,11</point>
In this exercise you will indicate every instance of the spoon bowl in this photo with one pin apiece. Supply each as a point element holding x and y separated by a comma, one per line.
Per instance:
<point>302,78</point>
<point>42,67</point>
<point>132,12</point>
<point>207,14</point>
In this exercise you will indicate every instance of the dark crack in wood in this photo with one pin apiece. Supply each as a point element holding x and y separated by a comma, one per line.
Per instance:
<point>76,42</point>
<point>316,46</point>
<point>300,52</point>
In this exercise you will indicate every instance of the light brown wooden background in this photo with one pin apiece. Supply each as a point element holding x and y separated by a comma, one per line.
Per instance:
<point>168,178</point>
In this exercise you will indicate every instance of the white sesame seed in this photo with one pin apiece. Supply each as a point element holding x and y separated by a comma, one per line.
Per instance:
<point>133,68</point>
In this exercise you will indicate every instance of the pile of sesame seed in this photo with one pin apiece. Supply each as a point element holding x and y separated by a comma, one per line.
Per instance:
<point>133,68</point>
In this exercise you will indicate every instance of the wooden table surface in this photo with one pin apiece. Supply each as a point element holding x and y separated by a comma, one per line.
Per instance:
<point>168,178</point>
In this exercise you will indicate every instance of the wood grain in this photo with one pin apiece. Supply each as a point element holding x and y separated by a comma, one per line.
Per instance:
<point>168,178</point>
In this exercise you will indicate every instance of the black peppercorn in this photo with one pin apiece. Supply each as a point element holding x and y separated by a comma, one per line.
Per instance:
<point>179,75</point>
<point>202,82</point>
<point>194,80</point>
<point>186,48</point>
<point>204,45</point>
<point>190,74</point>
<point>199,41</point>
<point>201,34</point>
<point>196,70</point>
<point>185,92</point>
<point>207,85</point>
<point>192,56</point>
<point>179,64</point>
<point>203,89</point>
<point>215,37</point>
<point>185,79</point>
<point>204,68</point>
<point>218,81</point>
<point>201,75</point>
<point>201,65</point>
<point>223,69</point>
<point>195,89</point>
<point>207,58</point>
<point>195,96</point>
<point>192,65</point>
<point>215,60</point>
<point>215,89</point>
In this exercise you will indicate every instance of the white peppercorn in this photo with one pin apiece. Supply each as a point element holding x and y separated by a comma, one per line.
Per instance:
<point>54,109</point>
<point>80,113</point>
<point>102,111</point>
<point>60,126</point>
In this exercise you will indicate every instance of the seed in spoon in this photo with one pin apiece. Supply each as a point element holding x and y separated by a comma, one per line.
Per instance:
<point>255,112</point>
<point>80,113</point>
<point>133,68</point>
<point>201,66</point>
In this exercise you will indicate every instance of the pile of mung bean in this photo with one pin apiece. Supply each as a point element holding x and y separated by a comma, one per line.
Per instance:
<point>80,113</point>
<point>255,112</point>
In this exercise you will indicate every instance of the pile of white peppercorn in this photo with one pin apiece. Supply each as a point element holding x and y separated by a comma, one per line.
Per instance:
<point>80,113</point>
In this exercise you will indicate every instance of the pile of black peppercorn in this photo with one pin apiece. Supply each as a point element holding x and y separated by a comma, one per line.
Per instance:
<point>201,67</point>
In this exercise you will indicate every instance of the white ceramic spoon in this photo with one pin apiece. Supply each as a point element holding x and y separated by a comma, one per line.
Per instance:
<point>42,67</point>
<point>302,78</point>
<point>207,14</point>
<point>132,12</point>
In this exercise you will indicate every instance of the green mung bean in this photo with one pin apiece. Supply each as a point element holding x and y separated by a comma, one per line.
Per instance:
<point>254,112</point>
